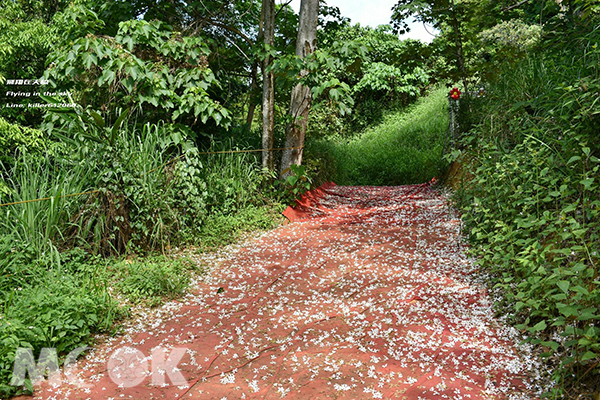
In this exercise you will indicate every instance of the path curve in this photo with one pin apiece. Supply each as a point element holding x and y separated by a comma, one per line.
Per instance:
<point>371,297</point>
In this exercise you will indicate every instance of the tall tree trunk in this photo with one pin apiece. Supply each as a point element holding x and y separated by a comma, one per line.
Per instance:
<point>268,100</point>
<point>301,97</point>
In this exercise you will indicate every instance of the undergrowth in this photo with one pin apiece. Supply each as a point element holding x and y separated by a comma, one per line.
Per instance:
<point>531,204</point>
<point>50,305</point>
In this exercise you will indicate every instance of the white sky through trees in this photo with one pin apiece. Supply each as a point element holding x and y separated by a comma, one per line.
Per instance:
<point>372,13</point>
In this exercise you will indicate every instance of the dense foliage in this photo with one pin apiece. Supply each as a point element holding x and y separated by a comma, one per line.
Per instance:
<point>530,196</point>
<point>145,68</point>
<point>25,42</point>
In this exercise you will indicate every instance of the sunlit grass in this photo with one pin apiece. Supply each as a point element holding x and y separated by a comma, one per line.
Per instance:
<point>405,148</point>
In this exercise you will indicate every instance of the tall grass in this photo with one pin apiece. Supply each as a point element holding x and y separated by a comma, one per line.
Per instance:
<point>153,214</point>
<point>405,148</point>
<point>143,200</point>
<point>233,180</point>
<point>40,223</point>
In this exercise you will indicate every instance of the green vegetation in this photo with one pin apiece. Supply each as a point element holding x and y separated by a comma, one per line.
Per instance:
<point>530,198</point>
<point>152,278</point>
<point>44,304</point>
<point>25,41</point>
<point>168,97</point>
<point>405,148</point>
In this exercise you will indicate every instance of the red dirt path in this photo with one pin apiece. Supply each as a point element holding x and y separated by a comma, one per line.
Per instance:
<point>370,297</point>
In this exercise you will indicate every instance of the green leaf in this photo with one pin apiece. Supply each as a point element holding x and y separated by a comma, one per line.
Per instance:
<point>566,310</point>
<point>107,76</point>
<point>553,345</point>
<point>563,285</point>
<point>588,356</point>
<point>128,41</point>
<point>133,71</point>
<point>28,385</point>
<point>128,83</point>
<point>89,59</point>
<point>117,125</point>
<point>540,326</point>
<point>587,183</point>
<point>588,314</point>
<point>580,289</point>
<point>217,117</point>
<point>98,118</point>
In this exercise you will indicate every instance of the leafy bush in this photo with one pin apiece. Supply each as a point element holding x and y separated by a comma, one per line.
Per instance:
<point>531,203</point>
<point>294,185</point>
<point>153,278</point>
<point>135,203</point>
<point>156,70</point>
<point>381,79</point>
<point>14,254</point>
<point>13,139</point>
<point>24,44</point>
<point>380,72</point>
<point>51,307</point>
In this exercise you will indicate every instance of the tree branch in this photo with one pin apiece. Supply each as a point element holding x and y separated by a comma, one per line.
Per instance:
<point>227,28</point>
<point>230,29</point>
<point>281,8</point>
<point>519,4</point>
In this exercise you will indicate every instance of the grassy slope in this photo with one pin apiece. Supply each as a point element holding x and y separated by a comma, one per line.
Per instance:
<point>405,148</point>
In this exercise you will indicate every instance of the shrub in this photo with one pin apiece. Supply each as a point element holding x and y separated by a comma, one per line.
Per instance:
<point>153,278</point>
<point>531,203</point>
<point>62,313</point>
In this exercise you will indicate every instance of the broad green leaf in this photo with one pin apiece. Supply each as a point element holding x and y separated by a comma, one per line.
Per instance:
<point>580,289</point>
<point>97,118</point>
<point>588,356</point>
<point>563,285</point>
<point>217,117</point>
<point>588,314</point>
<point>128,41</point>
<point>128,83</point>
<point>587,183</point>
<point>89,59</point>
<point>553,345</point>
<point>107,76</point>
<point>540,326</point>
<point>566,310</point>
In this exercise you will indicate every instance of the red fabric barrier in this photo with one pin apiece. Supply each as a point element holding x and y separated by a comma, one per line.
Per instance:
<point>307,205</point>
